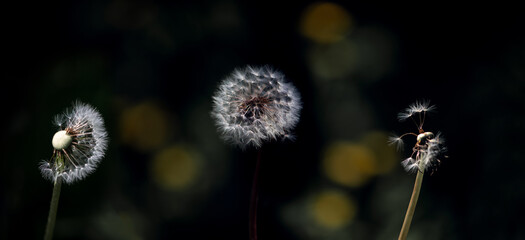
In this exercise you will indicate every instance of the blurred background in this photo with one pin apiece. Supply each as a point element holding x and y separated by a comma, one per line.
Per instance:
<point>151,67</point>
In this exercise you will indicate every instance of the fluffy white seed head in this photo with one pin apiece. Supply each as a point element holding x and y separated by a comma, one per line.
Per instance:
<point>254,105</point>
<point>429,147</point>
<point>426,153</point>
<point>61,140</point>
<point>79,145</point>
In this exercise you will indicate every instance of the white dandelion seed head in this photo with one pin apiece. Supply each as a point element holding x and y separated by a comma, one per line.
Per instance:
<point>430,154</point>
<point>254,105</point>
<point>429,147</point>
<point>79,144</point>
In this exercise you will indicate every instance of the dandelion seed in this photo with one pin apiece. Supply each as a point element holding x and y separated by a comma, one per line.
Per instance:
<point>420,106</point>
<point>254,105</point>
<point>397,141</point>
<point>79,144</point>
<point>417,107</point>
<point>410,164</point>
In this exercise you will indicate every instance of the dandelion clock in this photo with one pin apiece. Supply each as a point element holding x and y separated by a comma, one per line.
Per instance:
<point>254,105</point>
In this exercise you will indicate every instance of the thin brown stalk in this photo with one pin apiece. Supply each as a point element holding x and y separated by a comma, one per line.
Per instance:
<point>412,205</point>
<point>254,199</point>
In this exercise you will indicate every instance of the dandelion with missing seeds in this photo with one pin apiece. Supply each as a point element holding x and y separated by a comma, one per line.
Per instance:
<point>428,148</point>
<point>254,105</point>
<point>78,146</point>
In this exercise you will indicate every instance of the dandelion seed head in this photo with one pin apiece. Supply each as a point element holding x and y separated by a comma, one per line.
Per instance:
<point>429,147</point>
<point>254,105</point>
<point>79,144</point>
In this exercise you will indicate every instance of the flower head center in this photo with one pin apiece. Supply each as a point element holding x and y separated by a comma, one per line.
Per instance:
<point>61,140</point>
<point>254,107</point>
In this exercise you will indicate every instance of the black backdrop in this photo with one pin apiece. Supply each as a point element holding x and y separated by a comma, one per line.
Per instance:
<point>466,58</point>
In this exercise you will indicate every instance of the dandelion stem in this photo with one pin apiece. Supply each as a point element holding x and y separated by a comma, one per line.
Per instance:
<point>413,201</point>
<point>254,199</point>
<point>53,210</point>
<point>59,161</point>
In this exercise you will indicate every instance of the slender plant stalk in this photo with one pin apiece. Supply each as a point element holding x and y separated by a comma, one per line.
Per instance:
<point>50,227</point>
<point>53,210</point>
<point>254,199</point>
<point>412,205</point>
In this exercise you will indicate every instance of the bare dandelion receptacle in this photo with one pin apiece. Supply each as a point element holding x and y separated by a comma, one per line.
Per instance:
<point>61,140</point>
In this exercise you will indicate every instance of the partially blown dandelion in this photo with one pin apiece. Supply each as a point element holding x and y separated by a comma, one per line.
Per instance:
<point>79,145</point>
<point>425,153</point>
<point>253,105</point>
<point>429,146</point>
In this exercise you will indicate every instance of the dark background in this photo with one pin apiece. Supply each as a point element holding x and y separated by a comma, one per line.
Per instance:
<point>152,67</point>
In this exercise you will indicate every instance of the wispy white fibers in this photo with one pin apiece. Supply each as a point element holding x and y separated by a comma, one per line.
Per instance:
<point>428,147</point>
<point>79,144</point>
<point>253,105</point>
<point>419,107</point>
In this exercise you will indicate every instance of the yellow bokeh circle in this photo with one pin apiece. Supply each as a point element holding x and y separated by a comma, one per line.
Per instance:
<point>145,126</point>
<point>349,164</point>
<point>386,156</point>
<point>175,167</point>
<point>332,209</point>
<point>325,22</point>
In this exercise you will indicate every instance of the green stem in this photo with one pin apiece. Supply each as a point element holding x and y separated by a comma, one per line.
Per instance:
<point>412,205</point>
<point>54,204</point>
<point>53,210</point>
